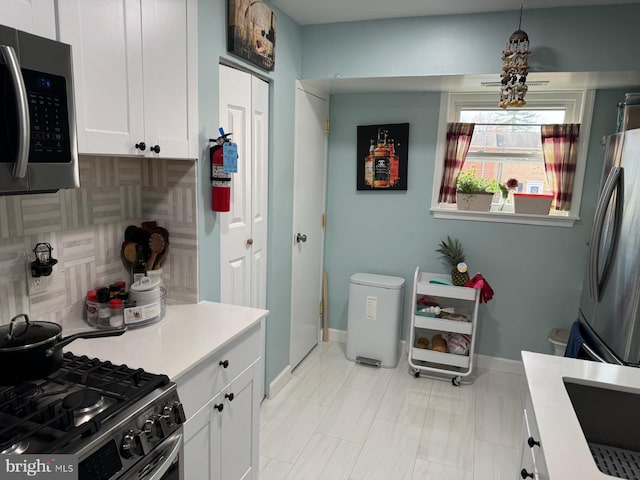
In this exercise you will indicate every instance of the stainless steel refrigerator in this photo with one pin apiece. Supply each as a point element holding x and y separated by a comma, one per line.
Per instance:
<point>609,315</point>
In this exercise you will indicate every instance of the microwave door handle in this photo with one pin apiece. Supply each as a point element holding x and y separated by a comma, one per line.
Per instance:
<point>22,107</point>
<point>596,231</point>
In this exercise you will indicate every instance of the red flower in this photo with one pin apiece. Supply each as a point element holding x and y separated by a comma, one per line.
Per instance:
<point>512,183</point>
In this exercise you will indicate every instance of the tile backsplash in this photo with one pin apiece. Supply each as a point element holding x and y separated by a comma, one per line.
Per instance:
<point>85,226</point>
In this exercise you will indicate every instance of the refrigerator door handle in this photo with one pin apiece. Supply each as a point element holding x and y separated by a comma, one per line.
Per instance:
<point>614,180</point>
<point>591,354</point>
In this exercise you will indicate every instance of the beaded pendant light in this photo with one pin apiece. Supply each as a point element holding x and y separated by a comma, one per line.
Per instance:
<point>513,86</point>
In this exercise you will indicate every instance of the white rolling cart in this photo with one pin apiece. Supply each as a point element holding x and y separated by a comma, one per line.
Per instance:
<point>460,315</point>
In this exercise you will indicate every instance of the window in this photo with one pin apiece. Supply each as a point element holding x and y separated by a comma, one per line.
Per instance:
<point>507,144</point>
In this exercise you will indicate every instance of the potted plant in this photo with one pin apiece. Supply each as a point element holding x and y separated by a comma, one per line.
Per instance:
<point>474,192</point>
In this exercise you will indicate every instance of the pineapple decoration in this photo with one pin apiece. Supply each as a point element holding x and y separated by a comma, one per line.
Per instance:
<point>452,251</point>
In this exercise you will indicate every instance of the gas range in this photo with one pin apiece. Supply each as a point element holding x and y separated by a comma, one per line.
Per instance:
<point>120,422</point>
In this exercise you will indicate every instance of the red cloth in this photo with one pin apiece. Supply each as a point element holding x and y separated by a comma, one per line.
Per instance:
<point>478,281</point>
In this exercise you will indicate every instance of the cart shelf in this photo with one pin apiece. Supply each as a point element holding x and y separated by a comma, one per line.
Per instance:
<point>423,287</point>
<point>431,356</point>
<point>443,325</point>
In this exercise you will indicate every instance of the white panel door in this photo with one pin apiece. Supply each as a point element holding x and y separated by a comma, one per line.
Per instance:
<point>311,110</point>
<point>107,64</point>
<point>244,111</point>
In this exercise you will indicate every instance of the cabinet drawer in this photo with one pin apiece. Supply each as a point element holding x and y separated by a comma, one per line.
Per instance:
<point>205,381</point>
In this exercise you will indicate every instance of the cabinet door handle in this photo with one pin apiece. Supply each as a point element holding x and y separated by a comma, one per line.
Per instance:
<point>229,396</point>
<point>525,474</point>
<point>220,407</point>
<point>531,442</point>
<point>141,146</point>
<point>224,363</point>
<point>155,148</point>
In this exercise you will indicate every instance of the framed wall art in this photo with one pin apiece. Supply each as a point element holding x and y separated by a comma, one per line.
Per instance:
<point>251,32</point>
<point>383,152</point>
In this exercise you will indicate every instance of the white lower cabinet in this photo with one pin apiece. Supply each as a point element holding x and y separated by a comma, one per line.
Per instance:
<point>198,458</point>
<point>237,437</point>
<point>221,431</point>
<point>532,464</point>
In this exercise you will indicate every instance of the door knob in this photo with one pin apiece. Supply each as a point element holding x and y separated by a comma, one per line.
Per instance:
<point>155,148</point>
<point>141,146</point>
<point>249,242</point>
<point>301,238</point>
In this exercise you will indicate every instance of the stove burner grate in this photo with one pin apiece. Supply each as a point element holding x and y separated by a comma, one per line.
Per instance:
<point>83,401</point>
<point>72,403</point>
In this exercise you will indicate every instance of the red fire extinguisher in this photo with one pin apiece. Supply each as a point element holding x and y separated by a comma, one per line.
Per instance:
<point>220,180</point>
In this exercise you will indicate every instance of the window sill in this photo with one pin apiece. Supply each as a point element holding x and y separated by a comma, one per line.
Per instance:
<point>504,217</point>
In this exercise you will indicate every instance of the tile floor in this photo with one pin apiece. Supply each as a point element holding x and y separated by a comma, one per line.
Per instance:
<point>336,420</point>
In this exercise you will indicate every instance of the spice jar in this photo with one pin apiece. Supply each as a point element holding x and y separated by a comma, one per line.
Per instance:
<point>104,314</point>
<point>115,310</point>
<point>92,307</point>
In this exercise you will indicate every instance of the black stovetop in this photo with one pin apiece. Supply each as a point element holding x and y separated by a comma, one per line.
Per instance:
<point>51,414</point>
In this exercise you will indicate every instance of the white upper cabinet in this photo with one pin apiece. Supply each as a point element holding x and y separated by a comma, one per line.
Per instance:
<point>169,50</point>
<point>135,75</point>
<point>33,16</point>
<point>107,63</point>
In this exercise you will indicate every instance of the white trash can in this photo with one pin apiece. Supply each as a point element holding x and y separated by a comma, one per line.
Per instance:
<point>559,338</point>
<point>375,319</point>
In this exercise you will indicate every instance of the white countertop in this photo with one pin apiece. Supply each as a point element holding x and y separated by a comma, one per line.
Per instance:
<point>566,451</point>
<point>185,337</point>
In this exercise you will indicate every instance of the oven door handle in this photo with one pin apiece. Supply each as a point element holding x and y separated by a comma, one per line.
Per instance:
<point>170,453</point>
<point>22,107</point>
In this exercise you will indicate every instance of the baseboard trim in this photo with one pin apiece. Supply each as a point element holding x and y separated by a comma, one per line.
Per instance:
<point>497,364</point>
<point>485,362</point>
<point>336,335</point>
<point>278,383</point>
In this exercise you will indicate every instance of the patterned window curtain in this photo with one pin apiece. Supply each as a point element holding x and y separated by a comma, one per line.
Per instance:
<point>560,151</point>
<point>458,141</point>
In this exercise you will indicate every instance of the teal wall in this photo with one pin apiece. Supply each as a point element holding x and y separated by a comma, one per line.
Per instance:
<point>535,271</point>
<point>360,233</point>
<point>580,39</point>
<point>211,48</point>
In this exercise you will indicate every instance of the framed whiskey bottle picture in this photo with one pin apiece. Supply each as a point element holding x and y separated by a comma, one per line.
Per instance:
<point>382,157</point>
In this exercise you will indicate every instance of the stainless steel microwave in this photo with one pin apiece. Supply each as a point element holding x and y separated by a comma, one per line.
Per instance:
<point>38,145</point>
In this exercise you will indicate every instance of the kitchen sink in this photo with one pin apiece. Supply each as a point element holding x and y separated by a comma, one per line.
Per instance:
<point>610,421</point>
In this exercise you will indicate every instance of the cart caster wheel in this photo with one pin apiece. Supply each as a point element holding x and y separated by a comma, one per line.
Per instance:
<point>416,374</point>
<point>455,381</point>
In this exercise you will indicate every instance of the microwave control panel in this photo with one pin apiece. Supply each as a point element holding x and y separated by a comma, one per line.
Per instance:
<point>48,111</point>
